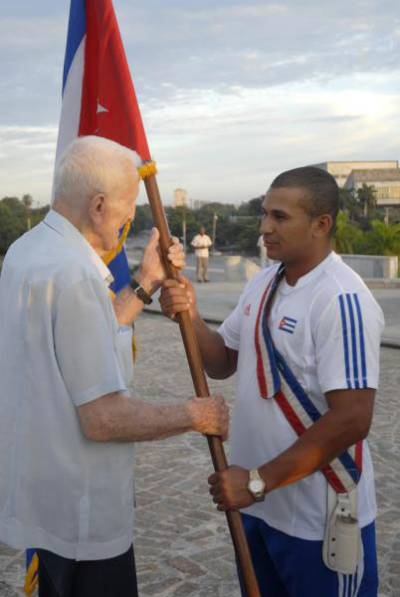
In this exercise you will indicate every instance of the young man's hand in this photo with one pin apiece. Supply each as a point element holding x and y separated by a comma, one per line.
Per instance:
<point>229,488</point>
<point>177,296</point>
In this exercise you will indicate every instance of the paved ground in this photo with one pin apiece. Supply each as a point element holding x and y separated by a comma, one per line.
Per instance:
<point>182,545</point>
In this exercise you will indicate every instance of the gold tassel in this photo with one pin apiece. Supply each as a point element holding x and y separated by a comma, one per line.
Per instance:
<point>147,169</point>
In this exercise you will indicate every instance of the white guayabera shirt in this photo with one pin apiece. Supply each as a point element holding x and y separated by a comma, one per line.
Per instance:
<point>201,243</point>
<point>60,347</point>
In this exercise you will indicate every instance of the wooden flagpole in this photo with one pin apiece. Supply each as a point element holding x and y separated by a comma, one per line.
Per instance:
<point>201,388</point>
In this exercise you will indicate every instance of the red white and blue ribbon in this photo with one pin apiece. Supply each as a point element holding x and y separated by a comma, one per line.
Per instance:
<point>277,381</point>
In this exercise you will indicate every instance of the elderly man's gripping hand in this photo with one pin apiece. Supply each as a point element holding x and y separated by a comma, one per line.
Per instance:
<point>229,488</point>
<point>209,415</point>
<point>151,272</point>
<point>177,296</point>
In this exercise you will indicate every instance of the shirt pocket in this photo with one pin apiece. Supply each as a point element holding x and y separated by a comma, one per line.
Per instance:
<point>125,353</point>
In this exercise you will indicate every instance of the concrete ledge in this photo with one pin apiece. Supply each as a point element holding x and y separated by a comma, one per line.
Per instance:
<point>382,282</point>
<point>373,266</point>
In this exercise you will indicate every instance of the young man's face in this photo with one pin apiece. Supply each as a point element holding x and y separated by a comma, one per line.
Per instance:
<point>287,229</point>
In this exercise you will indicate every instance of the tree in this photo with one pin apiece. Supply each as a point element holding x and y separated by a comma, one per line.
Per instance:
<point>382,239</point>
<point>10,227</point>
<point>366,196</point>
<point>27,200</point>
<point>347,236</point>
<point>252,207</point>
<point>349,204</point>
<point>13,219</point>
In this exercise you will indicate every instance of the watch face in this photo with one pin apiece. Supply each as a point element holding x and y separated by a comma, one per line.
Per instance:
<point>256,486</point>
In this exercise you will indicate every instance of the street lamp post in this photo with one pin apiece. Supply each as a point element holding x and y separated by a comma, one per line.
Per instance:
<point>214,232</point>
<point>184,228</point>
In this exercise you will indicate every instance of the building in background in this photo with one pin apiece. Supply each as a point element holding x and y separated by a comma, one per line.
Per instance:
<point>386,182</point>
<point>198,204</point>
<point>180,198</point>
<point>342,170</point>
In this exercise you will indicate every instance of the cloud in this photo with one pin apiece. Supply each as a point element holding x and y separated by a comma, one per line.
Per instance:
<point>27,160</point>
<point>231,92</point>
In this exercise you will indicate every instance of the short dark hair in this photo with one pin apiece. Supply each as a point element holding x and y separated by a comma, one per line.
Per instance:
<point>322,191</point>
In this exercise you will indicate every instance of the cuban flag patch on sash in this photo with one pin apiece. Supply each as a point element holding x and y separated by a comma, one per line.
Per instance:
<point>287,324</point>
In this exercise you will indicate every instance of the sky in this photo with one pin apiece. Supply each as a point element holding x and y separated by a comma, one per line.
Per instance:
<point>231,92</point>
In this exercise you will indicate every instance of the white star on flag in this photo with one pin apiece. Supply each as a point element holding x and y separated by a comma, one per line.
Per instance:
<point>101,108</point>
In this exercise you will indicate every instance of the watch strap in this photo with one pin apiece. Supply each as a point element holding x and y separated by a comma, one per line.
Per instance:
<point>254,475</point>
<point>140,292</point>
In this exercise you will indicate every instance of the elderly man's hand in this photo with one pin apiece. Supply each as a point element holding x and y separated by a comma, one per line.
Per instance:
<point>209,415</point>
<point>152,274</point>
<point>229,488</point>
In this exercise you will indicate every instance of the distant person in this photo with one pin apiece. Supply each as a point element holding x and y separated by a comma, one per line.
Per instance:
<point>262,251</point>
<point>201,244</point>
<point>304,340</point>
<point>68,424</point>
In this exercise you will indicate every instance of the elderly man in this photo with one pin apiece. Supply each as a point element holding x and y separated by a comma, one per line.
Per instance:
<point>67,422</point>
<point>304,340</point>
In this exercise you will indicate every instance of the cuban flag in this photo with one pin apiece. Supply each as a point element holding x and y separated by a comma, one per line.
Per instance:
<point>287,324</point>
<point>98,93</point>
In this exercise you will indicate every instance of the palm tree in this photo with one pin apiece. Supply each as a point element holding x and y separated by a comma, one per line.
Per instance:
<point>27,200</point>
<point>366,196</point>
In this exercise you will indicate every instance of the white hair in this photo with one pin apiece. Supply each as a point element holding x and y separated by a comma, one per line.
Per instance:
<point>92,165</point>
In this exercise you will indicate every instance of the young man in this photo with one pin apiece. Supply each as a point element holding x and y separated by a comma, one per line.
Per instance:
<point>201,244</point>
<point>67,422</point>
<point>304,340</point>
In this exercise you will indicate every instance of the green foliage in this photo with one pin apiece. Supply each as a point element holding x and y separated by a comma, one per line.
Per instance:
<point>366,197</point>
<point>252,207</point>
<point>15,219</point>
<point>382,239</point>
<point>347,235</point>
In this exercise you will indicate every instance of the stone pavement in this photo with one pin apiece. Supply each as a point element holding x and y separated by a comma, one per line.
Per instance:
<point>182,545</point>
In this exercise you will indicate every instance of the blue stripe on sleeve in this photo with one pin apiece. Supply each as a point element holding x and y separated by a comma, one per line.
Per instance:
<point>353,340</point>
<point>362,343</point>
<point>345,342</point>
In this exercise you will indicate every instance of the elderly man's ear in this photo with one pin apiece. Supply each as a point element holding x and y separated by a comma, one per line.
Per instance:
<point>97,208</point>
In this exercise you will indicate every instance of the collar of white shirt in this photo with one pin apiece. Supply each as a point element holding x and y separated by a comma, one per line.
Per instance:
<point>64,227</point>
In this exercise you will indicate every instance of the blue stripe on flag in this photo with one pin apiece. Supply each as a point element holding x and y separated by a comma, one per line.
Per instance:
<point>119,268</point>
<point>362,343</point>
<point>345,342</point>
<point>76,31</point>
<point>290,319</point>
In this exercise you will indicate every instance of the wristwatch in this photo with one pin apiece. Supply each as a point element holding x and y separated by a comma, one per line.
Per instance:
<point>256,485</point>
<point>140,292</point>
